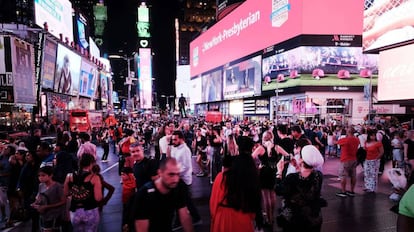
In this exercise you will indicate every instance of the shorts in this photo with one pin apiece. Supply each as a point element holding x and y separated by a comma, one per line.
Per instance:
<point>347,169</point>
<point>397,154</point>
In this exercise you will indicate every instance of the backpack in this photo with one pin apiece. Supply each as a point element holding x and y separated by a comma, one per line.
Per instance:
<point>125,146</point>
<point>386,143</point>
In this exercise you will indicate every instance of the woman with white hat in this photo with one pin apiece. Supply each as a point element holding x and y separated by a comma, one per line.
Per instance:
<point>301,191</point>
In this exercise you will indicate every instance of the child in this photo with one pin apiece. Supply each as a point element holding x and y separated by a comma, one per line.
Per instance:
<point>50,201</point>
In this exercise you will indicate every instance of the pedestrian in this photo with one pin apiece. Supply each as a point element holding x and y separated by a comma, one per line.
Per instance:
<point>86,145</point>
<point>372,162</point>
<point>405,221</point>
<point>85,190</point>
<point>181,152</point>
<point>235,196</point>
<point>50,201</point>
<point>348,162</point>
<point>155,203</point>
<point>301,192</point>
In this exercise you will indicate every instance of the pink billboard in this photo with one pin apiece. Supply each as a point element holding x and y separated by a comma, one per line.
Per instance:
<point>255,25</point>
<point>396,69</point>
<point>145,78</point>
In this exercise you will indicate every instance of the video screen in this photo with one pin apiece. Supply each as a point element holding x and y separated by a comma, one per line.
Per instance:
<point>396,74</point>
<point>88,79</point>
<point>49,64</point>
<point>57,14</point>
<point>242,79</point>
<point>104,87</point>
<point>387,22</point>
<point>68,65</point>
<point>319,66</point>
<point>212,86</point>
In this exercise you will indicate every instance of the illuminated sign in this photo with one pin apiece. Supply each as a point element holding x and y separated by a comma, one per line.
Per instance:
<point>240,33</point>
<point>145,78</point>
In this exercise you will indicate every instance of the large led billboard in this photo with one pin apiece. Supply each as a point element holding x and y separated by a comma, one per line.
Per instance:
<point>104,87</point>
<point>145,78</point>
<point>387,22</point>
<point>88,79</point>
<point>396,70</point>
<point>49,63</point>
<point>58,16</point>
<point>23,71</point>
<point>212,86</point>
<point>242,78</point>
<point>319,66</point>
<point>68,65</point>
<point>255,25</point>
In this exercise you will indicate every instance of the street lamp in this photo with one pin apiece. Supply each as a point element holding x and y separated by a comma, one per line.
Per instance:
<point>129,79</point>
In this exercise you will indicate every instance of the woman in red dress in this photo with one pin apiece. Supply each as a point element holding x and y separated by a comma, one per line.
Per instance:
<point>235,197</point>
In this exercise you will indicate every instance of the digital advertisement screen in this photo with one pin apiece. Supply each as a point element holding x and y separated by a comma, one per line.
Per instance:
<point>58,16</point>
<point>88,79</point>
<point>82,31</point>
<point>242,79</point>
<point>319,66</point>
<point>68,65</point>
<point>145,78</point>
<point>212,86</point>
<point>23,72</point>
<point>387,22</point>
<point>49,63</point>
<point>396,70</point>
<point>104,87</point>
<point>274,21</point>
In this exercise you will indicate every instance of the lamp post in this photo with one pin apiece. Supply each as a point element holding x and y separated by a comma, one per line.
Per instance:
<point>129,79</point>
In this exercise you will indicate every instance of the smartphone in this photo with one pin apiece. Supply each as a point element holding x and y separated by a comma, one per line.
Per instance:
<point>286,158</point>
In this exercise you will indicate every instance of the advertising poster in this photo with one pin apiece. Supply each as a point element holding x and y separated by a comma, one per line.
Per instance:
<point>57,14</point>
<point>87,82</point>
<point>145,78</point>
<point>6,75</point>
<point>6,87</point>
<point>48,64</point>
<point>386,23</point>
<point>2,57</point>
<point>23,72</point>
<point>68,65</point>
<point>212,86</point>
<point>242,79</point>
<point>104,87</point>
<point>319,66</point>
<point>236,35</point>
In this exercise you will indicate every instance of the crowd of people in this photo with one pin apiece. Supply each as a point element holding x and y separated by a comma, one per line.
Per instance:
<point>249,165</point>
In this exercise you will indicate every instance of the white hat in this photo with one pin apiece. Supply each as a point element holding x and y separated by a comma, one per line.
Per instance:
<point>311,156</point>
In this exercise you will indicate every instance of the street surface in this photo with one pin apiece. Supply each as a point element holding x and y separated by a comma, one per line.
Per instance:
<point>368,213</point>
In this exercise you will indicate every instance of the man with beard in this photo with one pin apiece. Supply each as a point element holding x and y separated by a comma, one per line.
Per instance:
<point>156,202</point>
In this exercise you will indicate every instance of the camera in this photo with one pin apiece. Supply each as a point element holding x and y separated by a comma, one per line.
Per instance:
<point>286,158</point>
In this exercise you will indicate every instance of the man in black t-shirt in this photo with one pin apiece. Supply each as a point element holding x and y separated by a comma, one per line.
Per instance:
<point>156,202</point>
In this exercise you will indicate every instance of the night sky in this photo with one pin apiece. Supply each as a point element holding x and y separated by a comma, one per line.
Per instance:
<point>121,36</point>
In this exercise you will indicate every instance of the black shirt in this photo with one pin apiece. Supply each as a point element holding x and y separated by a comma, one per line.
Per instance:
<point>158,208</point>
<point>144,170</point>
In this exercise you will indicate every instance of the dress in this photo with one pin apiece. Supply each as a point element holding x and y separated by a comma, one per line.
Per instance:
<point>224,218</point>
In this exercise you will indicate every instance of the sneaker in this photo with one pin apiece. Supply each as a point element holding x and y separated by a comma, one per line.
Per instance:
<point>200,174</point>
<point>350,194</point>
<point>177,227</point>
<point>341,194</point>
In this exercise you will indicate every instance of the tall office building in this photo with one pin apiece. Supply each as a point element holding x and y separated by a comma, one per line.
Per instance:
<point>17,11</point>
<point>196,15</point>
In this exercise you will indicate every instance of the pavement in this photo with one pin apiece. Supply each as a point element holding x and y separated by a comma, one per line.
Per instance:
<point>364,212</point>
